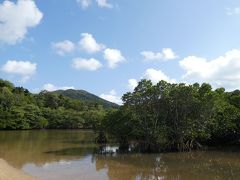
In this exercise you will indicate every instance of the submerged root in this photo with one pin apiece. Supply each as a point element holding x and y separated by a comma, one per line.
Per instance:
<point>184,145</point>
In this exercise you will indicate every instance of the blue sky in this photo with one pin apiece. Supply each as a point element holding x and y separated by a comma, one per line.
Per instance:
<point>106,46</point>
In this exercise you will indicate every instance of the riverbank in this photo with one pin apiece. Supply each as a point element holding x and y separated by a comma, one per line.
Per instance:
<point>9,173</point>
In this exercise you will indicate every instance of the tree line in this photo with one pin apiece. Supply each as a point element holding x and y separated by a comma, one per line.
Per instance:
<point>161,117</point>
<point>174,117</point>
<point>20,109</point>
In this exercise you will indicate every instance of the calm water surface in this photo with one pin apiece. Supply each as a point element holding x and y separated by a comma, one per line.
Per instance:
<point>64,154</point>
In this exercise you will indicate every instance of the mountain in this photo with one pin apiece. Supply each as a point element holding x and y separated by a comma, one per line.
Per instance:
<point>86,96</point>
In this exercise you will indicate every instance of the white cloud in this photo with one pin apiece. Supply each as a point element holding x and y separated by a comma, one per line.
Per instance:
<point>104,4</point>
<point>222,71</point>
<point>100,3</point>
<point>168,54</point>
<point>149,55</point>
<point>16,18</point>
<point>132,83</point>
<point>156,75</point>
<point>63,47</point>
<point>84,3</point>
<point>51,87</point>
<point>233,11</point>
<point>113,57</point>
<point>150,74</point>
<point>23,68</point>
<point>165,55</point>
<point>112,97</point>
<point>89,44</point>
<point>86,64</point>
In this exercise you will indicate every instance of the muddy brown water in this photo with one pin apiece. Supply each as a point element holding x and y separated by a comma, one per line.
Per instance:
<point>71,155</point>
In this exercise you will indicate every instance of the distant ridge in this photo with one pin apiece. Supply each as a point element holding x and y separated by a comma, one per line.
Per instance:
<point>86,96</point>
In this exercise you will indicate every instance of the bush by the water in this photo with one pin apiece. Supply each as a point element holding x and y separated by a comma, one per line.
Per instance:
<point>175,117</point>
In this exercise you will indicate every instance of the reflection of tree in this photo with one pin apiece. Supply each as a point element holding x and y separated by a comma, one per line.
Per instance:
<point>40,147</point>
<point>196,165</point>
<point>128,166</point>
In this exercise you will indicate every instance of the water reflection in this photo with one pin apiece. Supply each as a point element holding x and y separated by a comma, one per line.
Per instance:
<point>195,165</point>
<point>73,155</point>
<point>41,147</point>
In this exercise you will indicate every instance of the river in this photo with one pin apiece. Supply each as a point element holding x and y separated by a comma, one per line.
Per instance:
<point>72,155</point>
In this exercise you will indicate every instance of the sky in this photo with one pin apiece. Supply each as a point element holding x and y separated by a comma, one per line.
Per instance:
<point>107,46</point>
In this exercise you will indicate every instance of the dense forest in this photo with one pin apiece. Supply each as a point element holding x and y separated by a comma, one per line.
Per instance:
<point>85,96</point>
<point>175,117</point>
<point>20,109</point>
<point>161,117</point>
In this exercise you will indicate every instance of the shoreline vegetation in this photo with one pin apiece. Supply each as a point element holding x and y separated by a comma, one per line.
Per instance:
<point>22,110</point>
<point>174,117</point>
<point>153,118</point>
<point>8,172</point>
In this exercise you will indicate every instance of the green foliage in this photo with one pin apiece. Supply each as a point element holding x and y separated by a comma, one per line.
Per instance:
<point>19,109</point>
<point>175,117</point>
<point>154,117</point>
<point>118,124</point>
<point>86,97</point>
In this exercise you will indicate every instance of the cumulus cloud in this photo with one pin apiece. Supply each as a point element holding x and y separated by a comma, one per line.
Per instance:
<point>113,57</point>
<point>84,3</point>
<point>89,44</point>
<point>112,97</point>
<point>104,4</point>
<point>132,83</point>
<point>222,71</point>
<point>168,54</point>
<point>52,87</point>
<point>100,3</point>
<point>233,11</point>
<point>156,75</point>
<point>150,74</point>
<point>16,19</point>
<point>63,47</point>
<point>23,68</point>
<point>86,64</point>
<point>149,55</point>
<point>165,55</point>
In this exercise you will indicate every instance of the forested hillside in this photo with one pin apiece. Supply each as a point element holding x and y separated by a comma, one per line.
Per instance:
<point>20,109</point>
<point>86,97</point>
